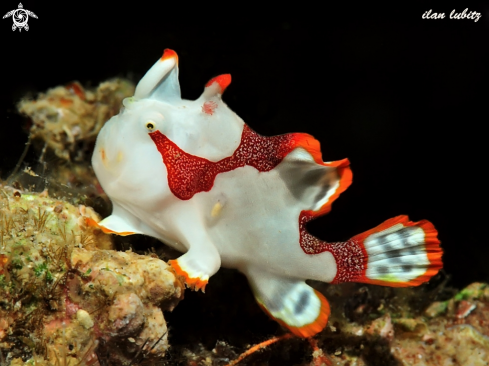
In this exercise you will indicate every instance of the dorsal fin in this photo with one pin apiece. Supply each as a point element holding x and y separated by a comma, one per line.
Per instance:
<point>316,185</point>
<point>161,81</point>
<point>216,86</point>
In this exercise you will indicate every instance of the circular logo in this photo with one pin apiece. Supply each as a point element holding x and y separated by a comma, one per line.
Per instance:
<point>20,17</point>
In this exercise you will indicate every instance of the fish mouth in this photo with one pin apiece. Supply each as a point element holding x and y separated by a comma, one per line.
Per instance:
<point>104,155</point>
<point>104,161</point>
<point>107,160</point>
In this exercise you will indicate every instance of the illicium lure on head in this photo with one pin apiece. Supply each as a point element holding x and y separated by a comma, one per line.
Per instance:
<point>195,176</point>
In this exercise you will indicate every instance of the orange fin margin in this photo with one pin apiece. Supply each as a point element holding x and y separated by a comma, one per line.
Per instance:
<point>92,223</point>
<point>431,246</point>
<point>222,80</point>
<point>168,53</point>
<point>313,147</point>
<point>310,329</point>
<point>193,283</point>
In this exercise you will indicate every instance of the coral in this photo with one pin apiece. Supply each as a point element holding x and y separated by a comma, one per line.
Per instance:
<point>403,327</point>
<point>66,298</point>
<point>66,181</point>
<point>370,326</point>
<point>64,123</point>
<point>68,118</point>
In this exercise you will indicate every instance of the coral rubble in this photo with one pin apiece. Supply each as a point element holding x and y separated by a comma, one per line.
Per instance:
<point>67,117</point>
<point>369,326</point>
<point>406,328</point>
<point>66,298</point>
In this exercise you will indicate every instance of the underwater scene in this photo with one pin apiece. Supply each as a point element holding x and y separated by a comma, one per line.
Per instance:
<point>294,188</point>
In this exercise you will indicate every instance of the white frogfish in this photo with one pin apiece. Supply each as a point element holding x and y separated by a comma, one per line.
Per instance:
<point>193,175</point>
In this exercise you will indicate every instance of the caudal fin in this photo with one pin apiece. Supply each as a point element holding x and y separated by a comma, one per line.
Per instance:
<point>396,253</point>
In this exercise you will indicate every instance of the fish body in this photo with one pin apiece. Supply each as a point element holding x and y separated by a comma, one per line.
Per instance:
<point>193,175</point>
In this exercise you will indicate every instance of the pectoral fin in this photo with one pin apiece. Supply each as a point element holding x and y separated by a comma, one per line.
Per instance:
<point>120,223</point>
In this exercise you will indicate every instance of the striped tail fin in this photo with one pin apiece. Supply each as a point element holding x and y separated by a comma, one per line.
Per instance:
<point>397,253</point>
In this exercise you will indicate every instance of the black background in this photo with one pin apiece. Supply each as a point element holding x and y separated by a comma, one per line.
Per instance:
<point>405,99</point>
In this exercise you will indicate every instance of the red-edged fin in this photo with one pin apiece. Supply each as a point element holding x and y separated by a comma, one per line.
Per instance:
<point>161,81</point>
<point>318,324</point>
<point>222,81</point>
<point>397,253</point>
<point>215,87</point>
<point>193,280</point>
<point>311,327</point>
<point>336,176</point>
<point>345,178</point>
<point>169,54</point>
<point>292,303</point>
<point>92,223</point>
<point>310,144</point>
<point>386,225</point>
<point>114,225</point>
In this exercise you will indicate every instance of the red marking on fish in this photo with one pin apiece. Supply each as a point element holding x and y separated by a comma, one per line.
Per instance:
<point>209,107</point>
<point>350,256</point>
<point>189,174</point>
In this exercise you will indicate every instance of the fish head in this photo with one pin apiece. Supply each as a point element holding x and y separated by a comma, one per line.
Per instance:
<point>126,159</point>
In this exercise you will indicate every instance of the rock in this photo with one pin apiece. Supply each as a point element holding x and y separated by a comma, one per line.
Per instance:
<point>84,319</point>
<point>68,117</point>
<point>63,296</point>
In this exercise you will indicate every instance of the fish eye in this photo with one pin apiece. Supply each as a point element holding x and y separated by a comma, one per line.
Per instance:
<point>150,125</point>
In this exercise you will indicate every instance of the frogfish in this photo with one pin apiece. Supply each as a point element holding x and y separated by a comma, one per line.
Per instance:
<point>194,175</point>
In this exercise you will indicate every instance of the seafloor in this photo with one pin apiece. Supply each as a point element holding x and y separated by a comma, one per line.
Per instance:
<point>71,295</point>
